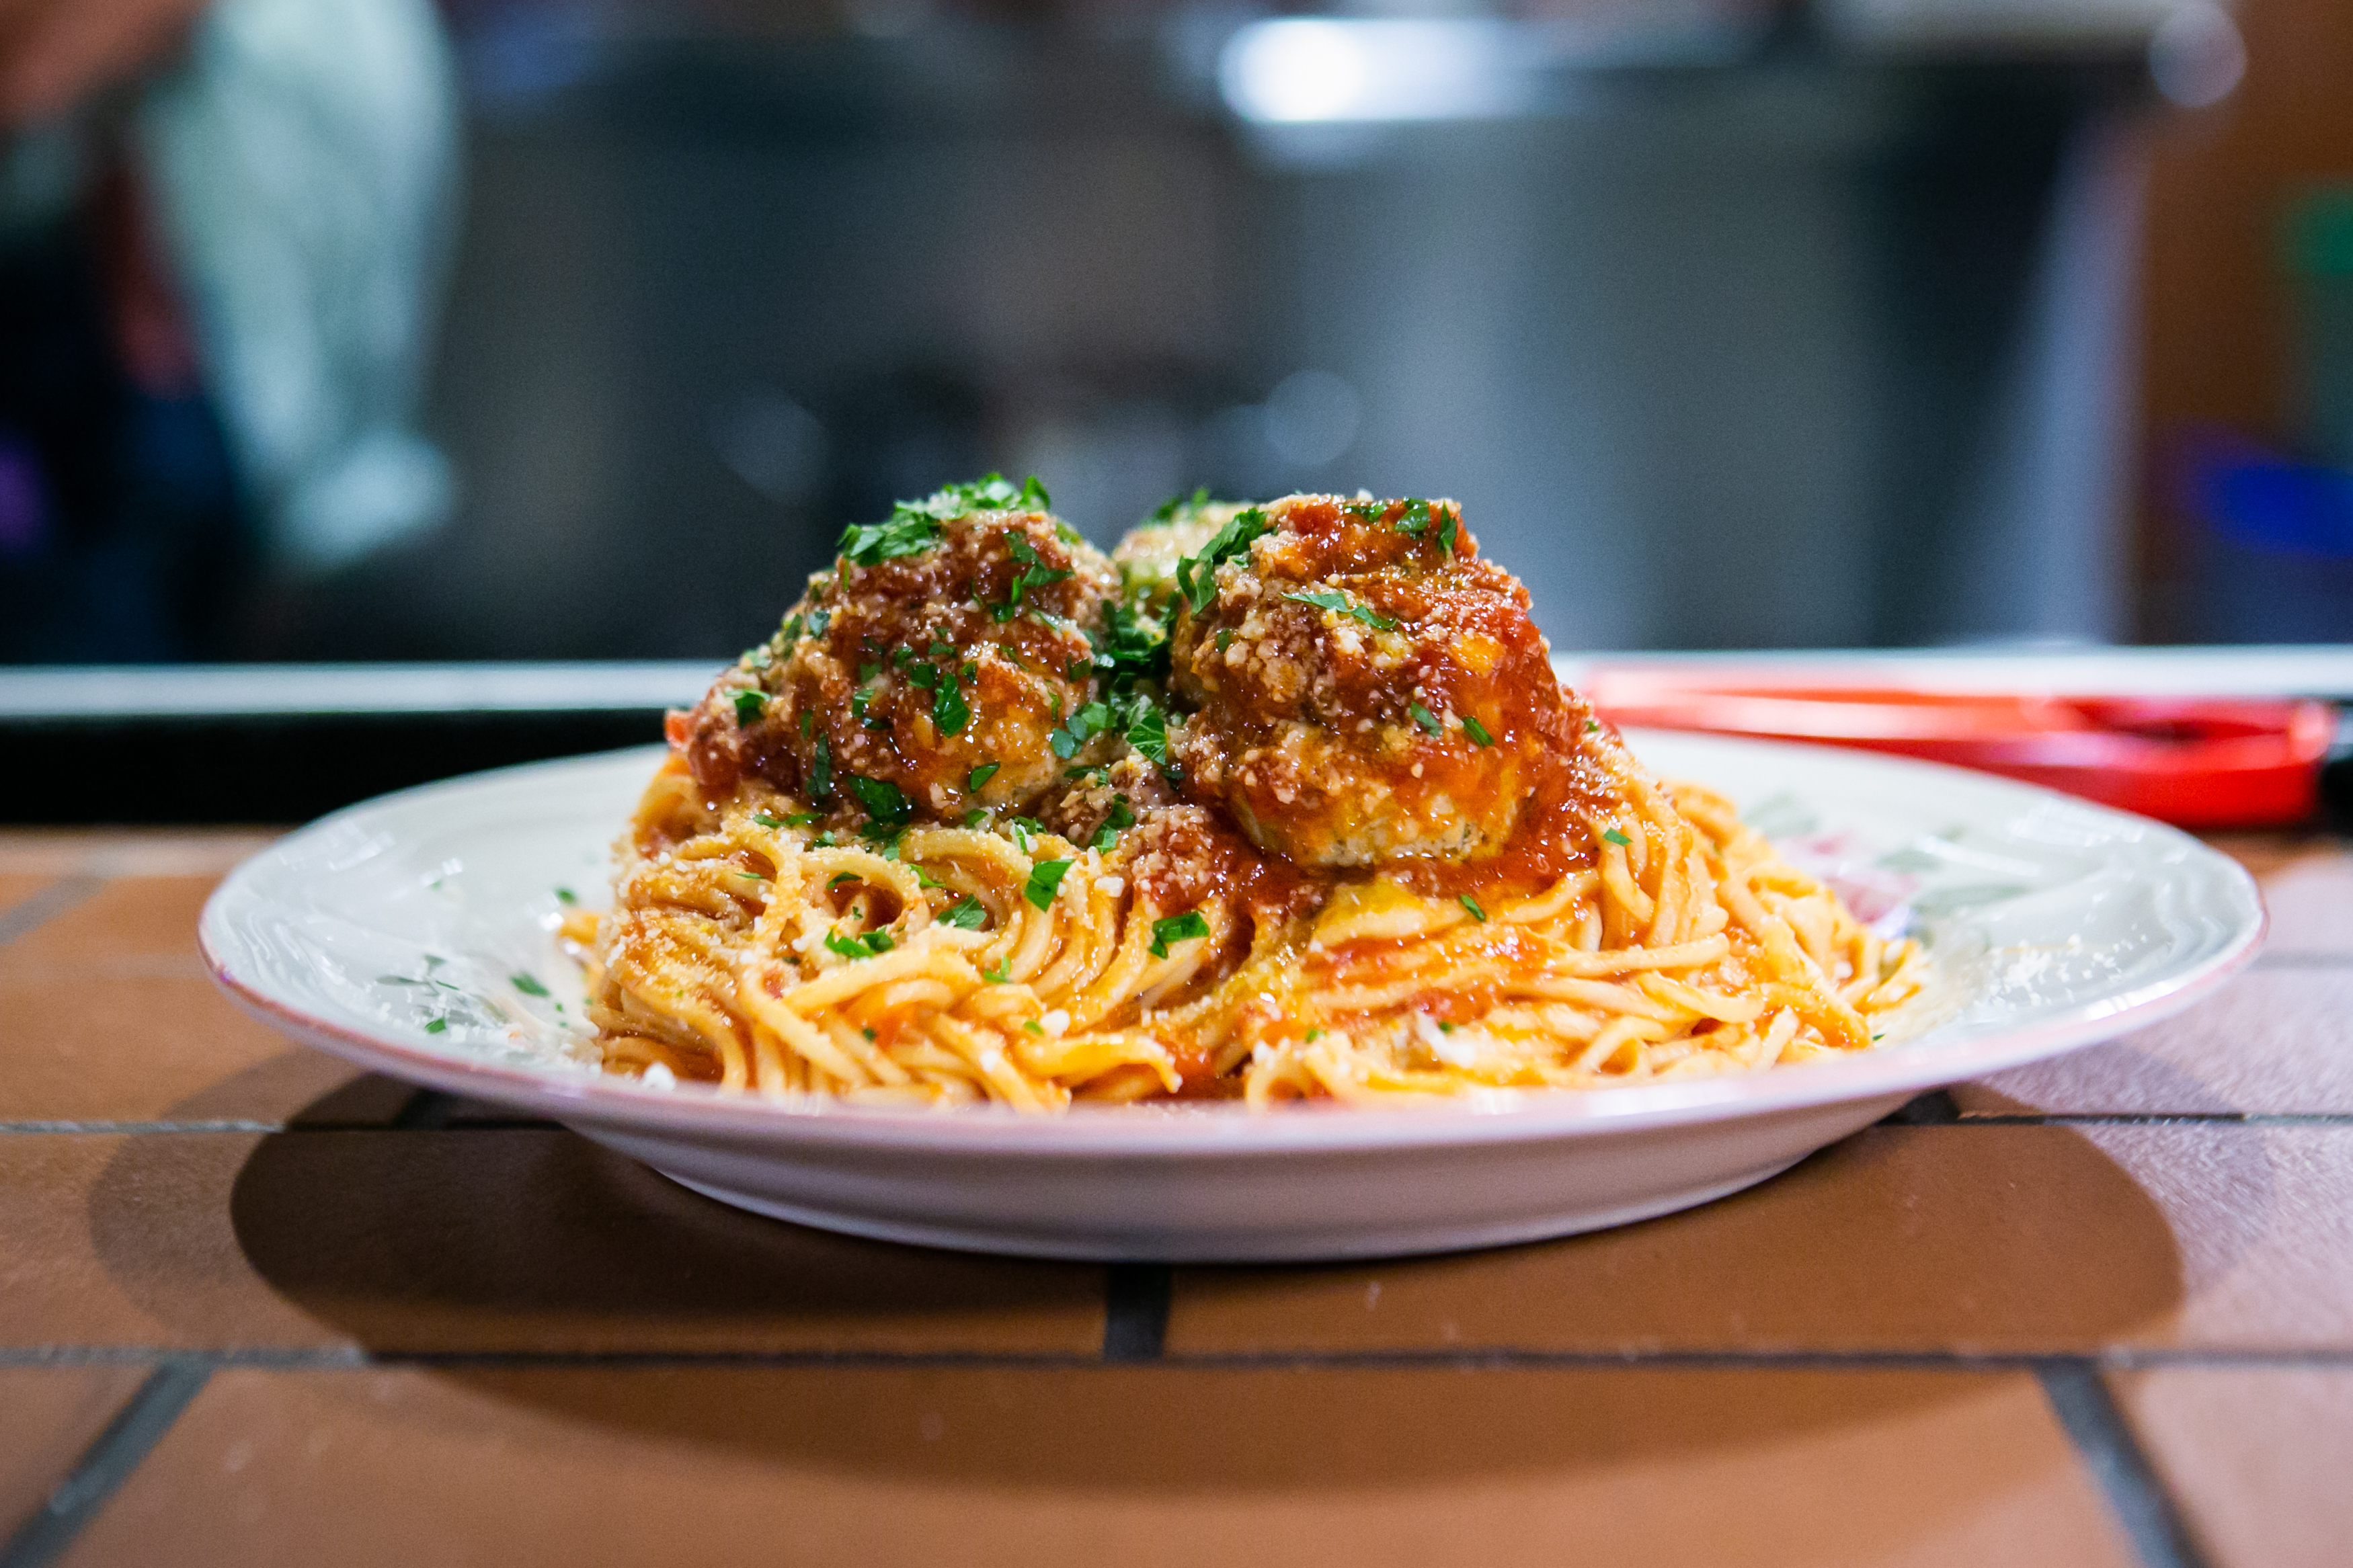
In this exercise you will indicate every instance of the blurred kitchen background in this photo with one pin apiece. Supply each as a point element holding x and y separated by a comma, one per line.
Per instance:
<point>550,329</point>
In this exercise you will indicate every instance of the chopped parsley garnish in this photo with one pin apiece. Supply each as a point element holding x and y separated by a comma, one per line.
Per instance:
<point>757,658</point>
<point>965,914</point>
<point>790,632</point>
<point>1471,906</point>
<point>881,798</point>
<point>1616,837</point>
<point>1045,882</point>
<point>437,1025</point>
<point>820,773</point>
<point>950,711</point>
<point>1477,732</point>
<point>975,818</point>
<point>1591,725</point>
<point>1340,603</point>
<point>1148,731</point>
<point>1414,518</point>
<point>885,837</point>
<point>978,778</point>
<point>804,820</point>
<point>818,620</point>
<point>749,706</point>
<point>1034,574</point>
<point>1225,638</point>
<point>865,944</point>
<point>1423,717</point>
<point>1167,510</point>
<point>527,983</point>
<point>908,533</point>
<point>765,820</point>
<point>566,896</point>
<point>1001,974</point>
<point>925,879</point>
<point>1195,573</point>
<point>1122,816</point>
<point>1132,647</point>
<point>1025,833</point>
<point>1082,726</point>
<point>1446,532</point>
<point>1312,1035</point>
<point>839,878</point>
<point>753,876</point>
<point>1177,928</point>
<point>990,492</point>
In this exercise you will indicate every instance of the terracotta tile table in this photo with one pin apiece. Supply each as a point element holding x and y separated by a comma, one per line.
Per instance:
<point>257,1307</point>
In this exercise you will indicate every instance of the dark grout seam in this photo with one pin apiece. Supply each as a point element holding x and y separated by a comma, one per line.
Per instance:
<point>107,1463</point>
<point>1135,1310</point>
<point>45,906</point>
<point>2079,1397</point>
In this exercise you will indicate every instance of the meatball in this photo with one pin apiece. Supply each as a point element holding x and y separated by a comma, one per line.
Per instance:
<point>1365,687</point>
<point>929,670</point>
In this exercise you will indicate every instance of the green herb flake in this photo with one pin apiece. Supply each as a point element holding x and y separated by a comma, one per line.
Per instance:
<point>950,711</point>
<point>966,913</point>
<point>1192,923</point>
<point>527,982</point>
<point>820,773</point>
<point>1045,882</point>
<point>749,706</point>
<point>975,818</point>
<point>868,1033</point>
<point>881,799</point>
<point>1002,973</point>
<point>1477,732</point>
<point>1414,518</point>
<point>1591,725</point>
<point>1616,837</point>
<point>1120,816</point>
<point>908,533</point>
<point>1033,1026</point>
<point>1196,574</point>
<point>865,944</point>
<point>978,778</point>
<point>839,878</point>
<point>1471,906</point>
<point>1424,717</point>
<point>437,1025</point>
<point>1447,531</point>
<point>1340,605</point>
<point>803,819</point>
<point>566,896</point>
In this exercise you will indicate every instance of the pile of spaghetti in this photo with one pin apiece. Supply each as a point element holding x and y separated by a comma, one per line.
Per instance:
<point>1275,802</point>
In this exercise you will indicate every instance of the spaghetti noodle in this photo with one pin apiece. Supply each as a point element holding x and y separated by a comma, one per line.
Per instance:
<point>1207,887</point>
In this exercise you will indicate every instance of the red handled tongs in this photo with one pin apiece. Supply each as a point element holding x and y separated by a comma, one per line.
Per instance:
<point>2192,762</point>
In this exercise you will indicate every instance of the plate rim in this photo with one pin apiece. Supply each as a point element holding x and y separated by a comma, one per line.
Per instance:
<point>1221,1130</point>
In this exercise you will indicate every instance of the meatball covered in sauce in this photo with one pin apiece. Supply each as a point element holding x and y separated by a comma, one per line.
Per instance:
<point>1365,689</point>
<point>928,671</point>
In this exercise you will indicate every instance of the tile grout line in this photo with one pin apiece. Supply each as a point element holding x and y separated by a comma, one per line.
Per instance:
<point>107,1463</point>
<point>31,913</point>
<point>2103,1441</point>
<point>1136,1297</point>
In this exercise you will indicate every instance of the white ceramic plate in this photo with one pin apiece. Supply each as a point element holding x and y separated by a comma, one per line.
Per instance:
<point>414,935</point>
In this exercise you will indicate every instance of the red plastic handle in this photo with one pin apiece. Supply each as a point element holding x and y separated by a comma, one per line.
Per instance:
<point>2196,763</point>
